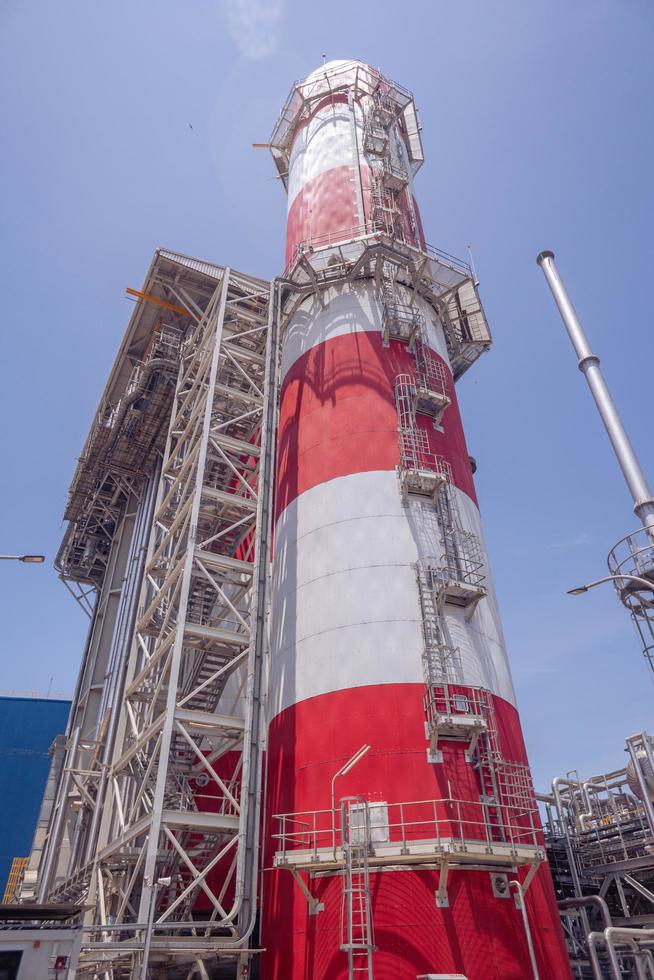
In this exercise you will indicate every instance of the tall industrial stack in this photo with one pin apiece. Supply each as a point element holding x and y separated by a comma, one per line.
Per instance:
<point>402,832</point>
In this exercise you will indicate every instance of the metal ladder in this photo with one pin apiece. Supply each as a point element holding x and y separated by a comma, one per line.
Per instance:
<point>384,211</point>
<point>489,760</point>
<point>462,558</point>
<point>356,920</point>
<point>441,661</point>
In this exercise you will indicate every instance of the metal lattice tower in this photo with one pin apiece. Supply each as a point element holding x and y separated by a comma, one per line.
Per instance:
<point>172,798</point>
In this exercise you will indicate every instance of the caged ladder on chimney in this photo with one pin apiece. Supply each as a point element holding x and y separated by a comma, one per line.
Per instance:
<point>356,919</point>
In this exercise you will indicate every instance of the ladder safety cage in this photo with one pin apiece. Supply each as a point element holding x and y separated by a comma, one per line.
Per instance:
<point>432,382</point>
<point>400,320</point>
<point>634,556</point>
<point>381,111</point>
<point>391,141</point>
<point>459,571</point>
<point>385,216</point>
<point>394,174</point>
<point>450,711</point>
<point>405,322</point>
<point>366,86</point>
<point>363,252</point>
<point>442,660</point>
<point>420,470</point>
<point>356,913</point>
<point>454,710</point>
<point>390,201</point>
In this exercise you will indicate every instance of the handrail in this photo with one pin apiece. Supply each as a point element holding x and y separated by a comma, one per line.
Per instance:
<point>462,821</point>
<point>368,229</point>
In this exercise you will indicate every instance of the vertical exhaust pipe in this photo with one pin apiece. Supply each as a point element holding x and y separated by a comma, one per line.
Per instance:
<point>589,365</point>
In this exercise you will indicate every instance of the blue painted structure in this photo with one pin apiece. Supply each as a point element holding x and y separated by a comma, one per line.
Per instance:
<point>28,727</point>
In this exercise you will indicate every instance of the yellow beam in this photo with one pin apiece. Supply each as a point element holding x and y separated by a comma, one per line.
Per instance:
<point>156,301</point>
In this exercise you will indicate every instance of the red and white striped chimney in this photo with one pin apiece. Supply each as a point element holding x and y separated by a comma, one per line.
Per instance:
<point>362,544</point>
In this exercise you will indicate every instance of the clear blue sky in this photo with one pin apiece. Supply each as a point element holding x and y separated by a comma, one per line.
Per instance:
<point>538,134</point>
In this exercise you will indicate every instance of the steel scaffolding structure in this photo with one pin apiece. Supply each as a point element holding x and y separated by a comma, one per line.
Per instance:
<point>600,843</point>
<point>156,819</point>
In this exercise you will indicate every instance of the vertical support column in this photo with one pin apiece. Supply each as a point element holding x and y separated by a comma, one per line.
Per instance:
<point>589,365</point>
<point>154,831</point>
<point>255,721</point>
<point>358,187</point>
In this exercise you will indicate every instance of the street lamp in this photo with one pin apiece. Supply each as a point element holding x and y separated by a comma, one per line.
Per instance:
<point>642,582</point>
<point>30,559</point>
<point>160,883</point>
<point>350,764</point>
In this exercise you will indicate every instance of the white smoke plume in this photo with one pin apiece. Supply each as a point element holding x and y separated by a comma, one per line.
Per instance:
<point>255,25</point>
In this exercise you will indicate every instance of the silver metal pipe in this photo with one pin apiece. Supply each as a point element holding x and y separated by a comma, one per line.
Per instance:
<point>638,961</point>
<point>646,800</point>
<point>593,939</point>
<point>569,850</point>
<point>588,901</point>
<point>589,366</point>
<point>617,935</point>
<point>614,963</point>
<point>647,746</point>
<point>598,937</point>
<point>51,848</point>
<point>121,642</point>
<point>525,922</point>
<point>148,934</point>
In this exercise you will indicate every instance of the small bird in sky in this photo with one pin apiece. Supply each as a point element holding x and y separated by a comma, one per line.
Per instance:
<point>189,126</point>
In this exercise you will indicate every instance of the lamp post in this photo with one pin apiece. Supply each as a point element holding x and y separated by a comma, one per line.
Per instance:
<point>29,559</point>
<point>643,582</point>
<point>350,764</point>
<point>159,883</point>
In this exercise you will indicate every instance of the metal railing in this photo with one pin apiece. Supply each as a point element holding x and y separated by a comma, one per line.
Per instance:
<point>400,321</point>
<point>370,229</point>
<point>432,373</point>
<point>601,820</point>
<point>362,80</point>
<point>415,451</point>
<point>634,556</point>
<point>442,822</point>
<point>442,700</point>
<point>461,562</point>
<point>415,455</point>
<point>394,174</point>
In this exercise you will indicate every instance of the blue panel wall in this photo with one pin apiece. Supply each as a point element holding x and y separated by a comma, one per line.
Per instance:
<point>28,727</point>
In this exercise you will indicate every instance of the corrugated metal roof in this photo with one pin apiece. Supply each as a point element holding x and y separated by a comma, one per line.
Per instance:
<point>206,268</point>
